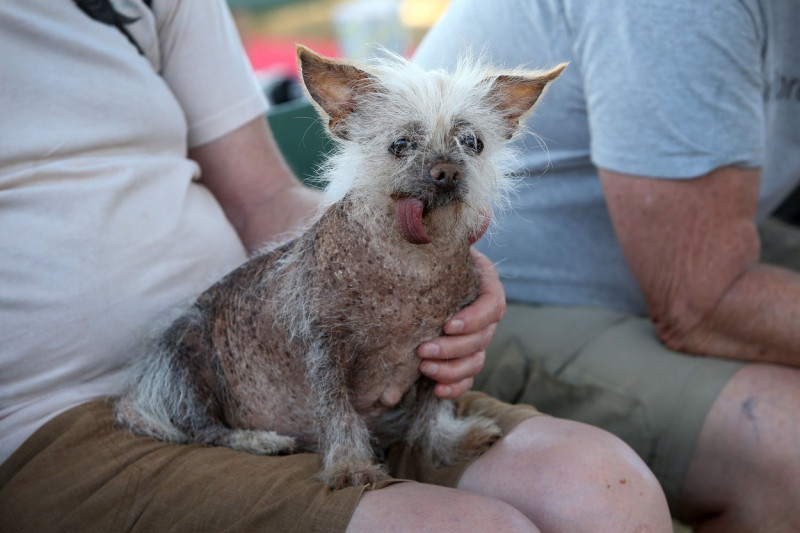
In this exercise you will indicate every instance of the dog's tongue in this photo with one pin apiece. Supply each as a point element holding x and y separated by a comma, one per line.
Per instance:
<point>409,221</point>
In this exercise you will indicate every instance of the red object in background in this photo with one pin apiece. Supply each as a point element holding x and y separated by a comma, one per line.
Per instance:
<point>280,56</point>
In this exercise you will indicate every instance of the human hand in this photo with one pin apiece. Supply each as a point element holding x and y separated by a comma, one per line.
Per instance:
<point>455,358</point>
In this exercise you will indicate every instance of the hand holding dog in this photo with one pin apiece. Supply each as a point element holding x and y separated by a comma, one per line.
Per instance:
<point>455,358</point>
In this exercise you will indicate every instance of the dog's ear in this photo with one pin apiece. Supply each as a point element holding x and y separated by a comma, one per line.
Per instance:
<point>516,94</point>
<point>335,87</point>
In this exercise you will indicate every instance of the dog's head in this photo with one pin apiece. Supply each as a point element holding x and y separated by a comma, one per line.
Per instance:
<point>431,145</point>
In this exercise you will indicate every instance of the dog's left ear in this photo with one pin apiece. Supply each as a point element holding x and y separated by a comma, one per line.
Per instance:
<point>516,94</point>
<point>335,86</point>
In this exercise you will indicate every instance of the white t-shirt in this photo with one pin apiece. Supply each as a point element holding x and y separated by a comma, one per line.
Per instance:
<point>104,231</point>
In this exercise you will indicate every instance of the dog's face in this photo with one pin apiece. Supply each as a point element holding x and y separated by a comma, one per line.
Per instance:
<point>422,140</point>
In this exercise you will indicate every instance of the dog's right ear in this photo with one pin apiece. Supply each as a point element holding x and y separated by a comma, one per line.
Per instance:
<point>335,87</point>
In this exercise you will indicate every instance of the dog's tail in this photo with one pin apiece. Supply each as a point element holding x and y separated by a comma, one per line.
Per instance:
<point>159,399</point>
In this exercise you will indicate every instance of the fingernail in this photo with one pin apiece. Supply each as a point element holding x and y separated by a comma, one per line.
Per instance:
<point>455,326</point>
<point>430,369</point>
<point>428,350</point>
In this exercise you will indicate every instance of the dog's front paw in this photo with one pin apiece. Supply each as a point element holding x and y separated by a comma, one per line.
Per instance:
<point>343,475</point>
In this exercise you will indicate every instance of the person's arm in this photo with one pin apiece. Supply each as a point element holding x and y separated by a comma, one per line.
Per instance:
<point>262,199</point>
<point>258,192</point>
<point>693,247</point>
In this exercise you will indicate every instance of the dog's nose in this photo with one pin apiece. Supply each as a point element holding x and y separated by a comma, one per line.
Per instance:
<point>445,176</point>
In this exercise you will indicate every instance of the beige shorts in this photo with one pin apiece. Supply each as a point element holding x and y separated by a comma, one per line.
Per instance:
<point>607,369</point>
<point>81,472</point>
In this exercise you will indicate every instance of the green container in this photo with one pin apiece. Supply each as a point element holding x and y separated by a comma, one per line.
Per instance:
<point>301,138</point>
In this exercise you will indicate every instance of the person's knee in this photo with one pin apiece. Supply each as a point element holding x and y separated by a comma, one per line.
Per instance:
<point>733,476</point>
<point>486,514</point>
<point>616,481</point>
<point>576,478</point>
<point>422,508</point>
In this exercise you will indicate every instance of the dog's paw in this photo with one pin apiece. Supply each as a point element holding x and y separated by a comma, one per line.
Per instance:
<point>481,434</point>
<point>449,440</point>
<point>257,442</point>
<point>340,476</point>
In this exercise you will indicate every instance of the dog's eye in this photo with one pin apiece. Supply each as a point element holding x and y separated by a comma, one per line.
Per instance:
<point>401,146</point>
<point>472,143</point>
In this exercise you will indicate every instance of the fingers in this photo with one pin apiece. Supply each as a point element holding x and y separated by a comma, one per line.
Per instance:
<point>453,361</point>
<point>453,390</point>
<point>488,308</point>
<point>455,358</point>
<point>450,347</point>
<point>449,371</point>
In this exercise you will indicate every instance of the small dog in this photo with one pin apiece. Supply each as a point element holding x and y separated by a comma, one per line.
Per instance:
<point>312,345</point>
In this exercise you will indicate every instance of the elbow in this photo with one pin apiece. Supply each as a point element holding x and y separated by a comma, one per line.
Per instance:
<point>694,317</point>
<point>671,334</point>
<point>681,325</point>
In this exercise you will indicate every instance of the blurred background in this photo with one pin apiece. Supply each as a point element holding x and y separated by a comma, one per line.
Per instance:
<point>336,28</point>
<point>352,29</point>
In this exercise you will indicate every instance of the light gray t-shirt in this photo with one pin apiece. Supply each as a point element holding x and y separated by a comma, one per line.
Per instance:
<point>658,88</point>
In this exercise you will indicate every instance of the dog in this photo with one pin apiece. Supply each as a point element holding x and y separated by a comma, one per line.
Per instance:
<point>312,345</point>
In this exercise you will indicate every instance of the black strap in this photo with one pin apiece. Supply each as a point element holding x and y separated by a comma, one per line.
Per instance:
<point>103,11</point>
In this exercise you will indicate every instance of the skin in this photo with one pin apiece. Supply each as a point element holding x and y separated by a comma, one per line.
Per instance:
<point>693,247</point>
<point>572,488</point>
<point>743,475</point>
<point>575,487</point>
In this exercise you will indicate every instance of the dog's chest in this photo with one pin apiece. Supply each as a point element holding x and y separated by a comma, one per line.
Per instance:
<point>370,278</point>
<point>380,297</point>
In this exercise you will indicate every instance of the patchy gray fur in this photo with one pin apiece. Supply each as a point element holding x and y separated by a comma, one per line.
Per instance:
<point>312,345</point>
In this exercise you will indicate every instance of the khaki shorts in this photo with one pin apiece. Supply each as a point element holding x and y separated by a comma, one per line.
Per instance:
<point>608,369</point>
<point>81,472</point>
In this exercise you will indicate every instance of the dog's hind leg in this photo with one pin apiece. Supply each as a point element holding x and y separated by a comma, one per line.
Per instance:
<point>443,437</point>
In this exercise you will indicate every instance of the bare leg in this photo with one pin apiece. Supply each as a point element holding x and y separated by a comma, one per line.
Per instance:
<point>428,508</point>
<point>744,472</point>
<point>568,476</point>
<point>547,473</point>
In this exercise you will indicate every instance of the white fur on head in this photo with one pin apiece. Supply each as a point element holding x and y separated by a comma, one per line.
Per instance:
<point>369,107</point>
